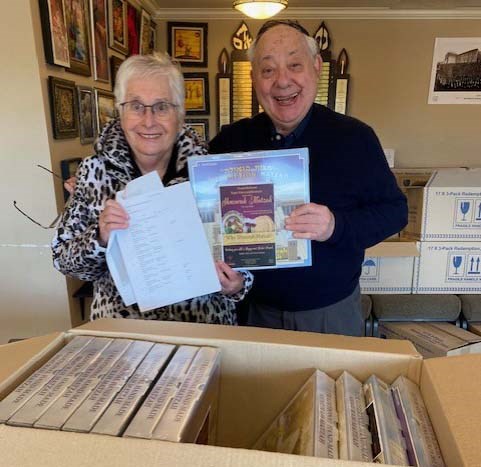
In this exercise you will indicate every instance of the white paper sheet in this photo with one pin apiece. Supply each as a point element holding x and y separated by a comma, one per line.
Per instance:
<point>164,252</point>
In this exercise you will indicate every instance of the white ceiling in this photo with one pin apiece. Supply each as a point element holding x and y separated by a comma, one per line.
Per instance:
<point>393,4</point>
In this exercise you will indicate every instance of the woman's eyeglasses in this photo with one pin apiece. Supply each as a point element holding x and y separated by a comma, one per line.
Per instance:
<point>136,109</point>
<point>55,222</point>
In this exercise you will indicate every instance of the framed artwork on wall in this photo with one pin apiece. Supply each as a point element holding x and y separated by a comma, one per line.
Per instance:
<point>187,43</point>
<point>133,29</point>
<point>201,127</point>
<point>76,12</point>
<point>115,63</point>
<point>197,93</point>
<point>118,34</point>
<point>63,106</point>
<point>105,107</point>
<point>98,13</point>
<point>145,33</point>
<point>153,36</point>
<point>54,31</point>
<point>68,168</point>
<point>86,113</point>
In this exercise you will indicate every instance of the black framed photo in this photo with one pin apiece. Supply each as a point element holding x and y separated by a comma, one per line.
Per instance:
<point>105,107</point>
<point>115,63</point>
<point>197,93</point>
<point>118,34</point>
<point>54,32</point>
<point>63,106</point>
<point>76,12</point>
<point>68,168</point>
<point>86,113</point>
<point>187,43</point>
<point>201,127</point>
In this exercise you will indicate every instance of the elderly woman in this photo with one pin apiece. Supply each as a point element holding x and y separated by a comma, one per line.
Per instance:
<point>148,136</point>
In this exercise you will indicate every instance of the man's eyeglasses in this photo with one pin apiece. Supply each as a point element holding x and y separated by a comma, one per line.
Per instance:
<point>136,109</point>
<point>55,222</point>
<point>277,22</point>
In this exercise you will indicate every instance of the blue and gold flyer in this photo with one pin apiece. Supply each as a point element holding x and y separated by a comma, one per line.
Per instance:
<point>243,200</point>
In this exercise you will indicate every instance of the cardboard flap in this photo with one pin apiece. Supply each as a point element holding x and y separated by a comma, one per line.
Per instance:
<point>456,178</point>
<point>393,249</point>
<point>451,388</point>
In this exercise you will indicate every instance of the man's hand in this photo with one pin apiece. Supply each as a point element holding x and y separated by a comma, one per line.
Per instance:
<point>311,221</point>
<point>113,217</point>
<point>230,280</point>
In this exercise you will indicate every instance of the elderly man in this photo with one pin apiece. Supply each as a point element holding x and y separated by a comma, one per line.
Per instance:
<point>355,202</point>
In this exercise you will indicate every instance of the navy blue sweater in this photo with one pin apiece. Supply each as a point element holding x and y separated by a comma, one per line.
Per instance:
<point>348,174</point>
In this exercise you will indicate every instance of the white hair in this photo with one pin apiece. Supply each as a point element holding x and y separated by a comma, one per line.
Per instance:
<point>149,67</point>
<point>311,43</point>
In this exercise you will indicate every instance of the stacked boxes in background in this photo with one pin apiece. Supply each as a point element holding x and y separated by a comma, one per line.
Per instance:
<point>445,216</point>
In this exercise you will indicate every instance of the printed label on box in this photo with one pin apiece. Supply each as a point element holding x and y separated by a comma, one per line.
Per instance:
<point>467,213</point>
<point>462,267</point>
<point>370,270</point>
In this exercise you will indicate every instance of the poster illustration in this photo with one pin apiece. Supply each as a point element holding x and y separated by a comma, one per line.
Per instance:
<point>248,226</point>
<point>243,200</point>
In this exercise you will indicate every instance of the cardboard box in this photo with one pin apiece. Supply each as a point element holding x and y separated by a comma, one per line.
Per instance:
<point>448,267</point>
<point>261,370</point>
<point>388,268</point>
<point>475,328</point>
<point>412,177</point>
<point>433,339</point>
<point>447,208</point>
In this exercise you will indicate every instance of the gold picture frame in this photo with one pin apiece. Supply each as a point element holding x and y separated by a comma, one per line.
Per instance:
<point>187,43</point>
<point>197,93</point>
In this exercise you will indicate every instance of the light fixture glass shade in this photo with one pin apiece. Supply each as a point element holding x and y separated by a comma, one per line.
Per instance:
<point>260,9</point>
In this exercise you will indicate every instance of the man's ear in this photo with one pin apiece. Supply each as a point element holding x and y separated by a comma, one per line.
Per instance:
<point>318,64</point>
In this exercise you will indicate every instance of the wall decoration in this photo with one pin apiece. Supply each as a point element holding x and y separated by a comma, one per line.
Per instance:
<point>201,127</point>
<point>144,47</point>
<point>118,35</point>
<point>86,114</point>
<point>115,63</point>
<point>456,71</point>
<point>68,168</point>
<point>342,82</point>
<point>105,108</point>
<point>153,37</point>
<point>197,93</point>
<point>187,43</point>
<point>326,87</point>
<point>63,106</point>
<point>98,12</point>
<point>223,90</point>
<point>54,31</point>
<point>242,38</point>
<point>133,27</point>
<point>77,17</point>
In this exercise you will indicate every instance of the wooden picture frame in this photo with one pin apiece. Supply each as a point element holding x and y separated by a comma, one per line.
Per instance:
<point>68,168</point>
<point>63,106</point>
<point>197,100</point>
<point>144,41</point>
<point>133,29</point>
<point>187,43</point>
<point>54,31</point>
<point>153,36</point>
<point>201,127</point>
<point>78,30</point>
<point>118,33</point>
<point>86,114</point>
<point>115,63</point>
<point>98,16</point>
<point>105,107</point>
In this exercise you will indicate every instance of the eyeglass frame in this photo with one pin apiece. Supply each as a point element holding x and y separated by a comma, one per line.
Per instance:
<point>170,105</point>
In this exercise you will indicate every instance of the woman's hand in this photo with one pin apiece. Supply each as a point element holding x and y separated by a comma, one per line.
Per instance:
<point>113,217</point>
<point>230,280</point>
<point>69,184</point>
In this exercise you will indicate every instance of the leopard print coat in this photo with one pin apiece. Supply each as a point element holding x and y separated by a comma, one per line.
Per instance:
<point>77,253</point>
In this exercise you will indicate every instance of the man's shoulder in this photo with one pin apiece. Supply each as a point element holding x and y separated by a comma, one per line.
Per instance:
<point>327,117</point>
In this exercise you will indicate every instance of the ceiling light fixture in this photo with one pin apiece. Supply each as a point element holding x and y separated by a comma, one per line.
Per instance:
<point>260,9</point>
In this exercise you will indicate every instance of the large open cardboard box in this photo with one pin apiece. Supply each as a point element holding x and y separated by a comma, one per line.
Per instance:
<point>260,371</point>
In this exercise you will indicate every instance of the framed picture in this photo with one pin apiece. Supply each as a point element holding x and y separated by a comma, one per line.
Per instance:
<point>187,43</point>
<point>68,168</point>
<point>201,127</point>
<point>133,29</point>
<point>54,31</point>
<point>105,107</point>
<point>98,13</point>
<point>63,106</point>
<point>118,35</point>
<point>115,63</point>
<point>86,114</point>
<point>76,12</point>
<point>145,33</point>
<point>197,93</point>
<point>153,36</point>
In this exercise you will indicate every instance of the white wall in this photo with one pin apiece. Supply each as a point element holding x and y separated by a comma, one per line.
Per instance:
<point>33,296</point>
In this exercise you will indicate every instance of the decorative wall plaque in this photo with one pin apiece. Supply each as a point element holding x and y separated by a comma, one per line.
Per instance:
<point>326,85</point>
<point>342,82</point>
<point>224,91</point>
